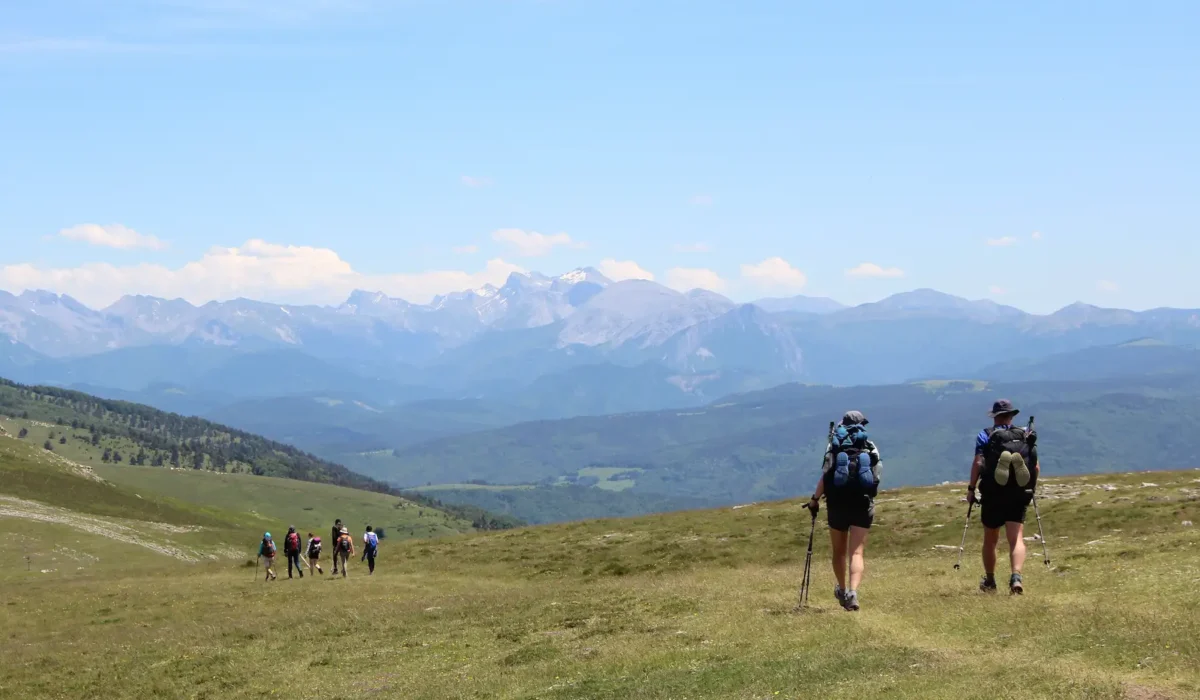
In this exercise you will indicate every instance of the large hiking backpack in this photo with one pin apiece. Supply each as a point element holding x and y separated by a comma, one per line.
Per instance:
<point>314,547</point>
<point>292,543</point>
<point>851,460</point>
<point>1004,444</point>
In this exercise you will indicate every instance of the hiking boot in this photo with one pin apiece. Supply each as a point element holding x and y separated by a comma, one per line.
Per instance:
<point>988,584</point>
<point>839,594</point>
<point>850,602</point>
<point>1020,470</point>
<point>1003,465</point>
<point>1015,587</point>
<point>301,574</point>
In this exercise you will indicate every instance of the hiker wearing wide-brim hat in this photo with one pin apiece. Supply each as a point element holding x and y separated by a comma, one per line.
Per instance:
<point>849,483</point>
<point>1003,407</point>
<point>1005,470</point>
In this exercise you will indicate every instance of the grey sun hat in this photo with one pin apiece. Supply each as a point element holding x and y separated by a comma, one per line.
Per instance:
<point>854,418</point>
<point>1003,407</point>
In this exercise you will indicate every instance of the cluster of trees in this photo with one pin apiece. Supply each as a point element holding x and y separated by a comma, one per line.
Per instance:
<point>165,439</point>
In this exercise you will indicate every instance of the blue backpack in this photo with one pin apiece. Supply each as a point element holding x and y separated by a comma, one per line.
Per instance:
<point>851,458</point>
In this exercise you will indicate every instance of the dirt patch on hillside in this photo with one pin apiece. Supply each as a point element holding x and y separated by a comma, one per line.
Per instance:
<point>1133,691</point>
<point>31,510</point>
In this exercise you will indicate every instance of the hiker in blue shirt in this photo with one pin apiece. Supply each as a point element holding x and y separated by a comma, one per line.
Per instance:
<point>370,548</point>
<point>1005,470</point>
<point>266,554</point>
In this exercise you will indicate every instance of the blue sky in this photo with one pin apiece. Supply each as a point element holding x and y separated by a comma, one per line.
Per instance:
<point>293,150</point>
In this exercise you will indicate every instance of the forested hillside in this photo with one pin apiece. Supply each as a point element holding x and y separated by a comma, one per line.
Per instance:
<point>768,444</point>
<point>80,425</point>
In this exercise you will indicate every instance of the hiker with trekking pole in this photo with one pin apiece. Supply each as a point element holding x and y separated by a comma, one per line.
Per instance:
<point>1005,470</point>
<point>849,482</point>
<point>266,553</point>
<point>314,554</point>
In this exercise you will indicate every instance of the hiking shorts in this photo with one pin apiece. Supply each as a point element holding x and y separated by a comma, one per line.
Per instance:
<point>996,509</point>
<point>843,516</point>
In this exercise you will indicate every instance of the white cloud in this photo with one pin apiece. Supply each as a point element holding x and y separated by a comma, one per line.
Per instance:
<point>257,269</point>
<point>701,200</point>
<point>470,249</point>
<point>1003,241</point>
<point>869,270</point>
<point>692,248</point>
<point>618,270</point>
<point>1107,286</point>
<point>1036,235</point>
<point>688,278</point>
<point>472,181</point>
<point>775,272</point>
<point>531,244</point>
<point>111,236</point>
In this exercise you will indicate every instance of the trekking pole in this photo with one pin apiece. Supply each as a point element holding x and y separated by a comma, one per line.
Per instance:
<point>806,577</point>
<point>257,561</point>
<point>957,564</point>
<point>1037,512</point>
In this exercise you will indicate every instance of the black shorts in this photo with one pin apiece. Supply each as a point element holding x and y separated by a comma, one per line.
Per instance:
<point>858,513</point>
<point>996,509</point>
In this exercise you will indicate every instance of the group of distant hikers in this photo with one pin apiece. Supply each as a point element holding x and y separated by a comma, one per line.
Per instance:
<point>310,554</point>
<point>1005,472</point>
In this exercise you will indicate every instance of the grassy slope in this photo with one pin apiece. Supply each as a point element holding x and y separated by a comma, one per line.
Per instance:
<point>47,414</point>
<point>695,604</point>
<point>279,502</point>
<point>55,515</point>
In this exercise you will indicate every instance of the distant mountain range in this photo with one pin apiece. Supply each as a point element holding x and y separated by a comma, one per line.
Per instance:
<point>536,348</point>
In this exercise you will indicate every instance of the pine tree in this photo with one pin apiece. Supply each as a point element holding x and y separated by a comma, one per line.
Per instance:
<point>62,440</point>
<point>23,434</point>
<point>48,447</point>
<point>116,457</point>
<point>107,456</point>
<point>174,455</point>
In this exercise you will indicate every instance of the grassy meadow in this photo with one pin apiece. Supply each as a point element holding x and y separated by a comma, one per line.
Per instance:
<point>683,605</point>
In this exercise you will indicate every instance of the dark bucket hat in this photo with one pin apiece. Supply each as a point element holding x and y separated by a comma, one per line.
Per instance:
<point>1003,407</point>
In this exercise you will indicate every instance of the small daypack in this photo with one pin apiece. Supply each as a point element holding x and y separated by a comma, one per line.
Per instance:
<point>372,540</point>
<point>314,547</point>
<point>293,542</point>
<point>345,543</point>
<point>851,460</point>
<point>1004,444</point>
<point>268,547</point>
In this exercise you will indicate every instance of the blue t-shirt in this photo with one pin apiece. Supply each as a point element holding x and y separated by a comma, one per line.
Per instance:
<point>981,440</point>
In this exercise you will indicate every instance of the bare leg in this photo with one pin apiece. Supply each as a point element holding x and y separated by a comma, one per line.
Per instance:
<point>991,537</point>
<point>858,545</point>
<point>838,539</point>
<point>1016,546</point>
